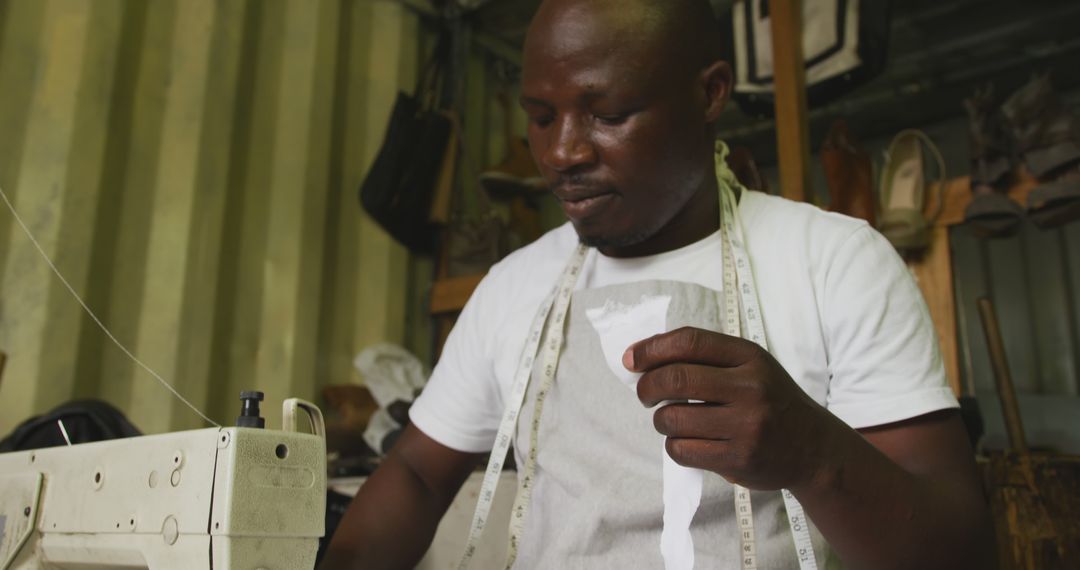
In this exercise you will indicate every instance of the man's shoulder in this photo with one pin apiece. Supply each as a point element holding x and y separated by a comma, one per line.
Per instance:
<point>766,210</point>
<point>798,228</point>
<point>532,268</point>
<point>551,250</point>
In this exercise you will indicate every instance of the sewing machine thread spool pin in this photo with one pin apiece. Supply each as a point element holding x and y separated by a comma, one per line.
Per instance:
<point>249,410</point>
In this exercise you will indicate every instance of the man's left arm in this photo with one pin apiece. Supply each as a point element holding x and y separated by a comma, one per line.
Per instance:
<point>904,495</point>
<point>901,495</point>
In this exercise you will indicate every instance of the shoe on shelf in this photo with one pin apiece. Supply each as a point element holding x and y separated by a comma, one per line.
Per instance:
<point>515,176</point>
<point>1047,136</point>
<point>991,212</point>
<point>903,191</point>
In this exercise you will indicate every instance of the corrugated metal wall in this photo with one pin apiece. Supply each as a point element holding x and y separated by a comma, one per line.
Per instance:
<point>191,166</point>
<point>1033,280</point>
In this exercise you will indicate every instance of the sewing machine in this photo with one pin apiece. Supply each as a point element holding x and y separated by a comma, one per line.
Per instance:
<point>222,498</point>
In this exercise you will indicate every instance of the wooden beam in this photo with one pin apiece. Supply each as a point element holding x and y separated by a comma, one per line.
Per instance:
<point>789,84</point>
<point>933,274</point>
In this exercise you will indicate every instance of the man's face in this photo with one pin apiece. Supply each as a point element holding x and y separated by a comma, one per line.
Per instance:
<point>617,131</point>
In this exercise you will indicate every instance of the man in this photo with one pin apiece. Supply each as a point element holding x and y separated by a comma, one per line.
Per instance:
<point>849,412</point>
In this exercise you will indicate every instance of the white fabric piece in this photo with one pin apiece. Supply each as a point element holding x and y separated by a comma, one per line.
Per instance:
<point>391,373</point>
<point>379,426</point>
<point>682,497</point>
<point>618,327</point>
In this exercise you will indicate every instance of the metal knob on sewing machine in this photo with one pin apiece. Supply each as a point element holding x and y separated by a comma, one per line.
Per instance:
<point>249,410</point>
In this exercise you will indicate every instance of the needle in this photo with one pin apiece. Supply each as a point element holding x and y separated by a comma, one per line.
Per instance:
<point>63,431</point>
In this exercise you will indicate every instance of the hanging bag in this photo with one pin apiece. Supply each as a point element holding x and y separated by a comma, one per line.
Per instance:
<point>399,188</point>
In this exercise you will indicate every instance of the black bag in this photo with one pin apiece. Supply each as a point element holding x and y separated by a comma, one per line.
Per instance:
<point>398,189</point>
<point>845,44</point>
<point>84,420</point>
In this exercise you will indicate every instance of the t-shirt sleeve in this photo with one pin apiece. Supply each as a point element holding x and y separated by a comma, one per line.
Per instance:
<point>884,360</point>
<point>461,405</point>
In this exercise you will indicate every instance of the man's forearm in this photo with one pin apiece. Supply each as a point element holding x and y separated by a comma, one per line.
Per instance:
<point>393,518</point>
<point>877,514</point>
<point>389,524</point>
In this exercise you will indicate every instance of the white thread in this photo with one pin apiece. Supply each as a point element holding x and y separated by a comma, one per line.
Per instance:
<point>63,431</point>
<point>100,325</point>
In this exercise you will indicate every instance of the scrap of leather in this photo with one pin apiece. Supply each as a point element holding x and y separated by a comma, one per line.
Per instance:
<point>849,172</point>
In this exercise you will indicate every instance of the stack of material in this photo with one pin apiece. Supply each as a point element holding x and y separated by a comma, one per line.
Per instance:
<point>1034,500</point>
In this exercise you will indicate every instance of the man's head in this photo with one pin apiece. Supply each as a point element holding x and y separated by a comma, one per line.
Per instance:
<point>621,97</point>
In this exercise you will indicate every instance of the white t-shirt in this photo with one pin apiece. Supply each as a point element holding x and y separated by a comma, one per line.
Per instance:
<point>842,315</point>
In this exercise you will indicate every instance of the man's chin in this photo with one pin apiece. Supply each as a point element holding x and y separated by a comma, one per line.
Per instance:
<point>603,241</point>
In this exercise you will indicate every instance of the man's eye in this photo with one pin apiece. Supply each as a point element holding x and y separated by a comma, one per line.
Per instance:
<point>540,120</point>
<point>612,119</point>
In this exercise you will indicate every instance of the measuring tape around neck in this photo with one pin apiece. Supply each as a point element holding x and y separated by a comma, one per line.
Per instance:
<point>552,312</point>
<point>739,293</point>
<point>732,324</point>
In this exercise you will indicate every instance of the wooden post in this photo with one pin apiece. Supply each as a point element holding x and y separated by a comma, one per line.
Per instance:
<point>789,81</point>
<point>933,273</point>
<point>1010,408</point>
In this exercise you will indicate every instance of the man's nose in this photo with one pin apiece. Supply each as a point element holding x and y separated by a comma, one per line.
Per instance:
<point>570,145</point>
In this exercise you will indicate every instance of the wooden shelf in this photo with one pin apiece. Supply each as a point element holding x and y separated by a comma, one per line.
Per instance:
<point>933,271</point>
<point>958,196</point>
<point>449,294</point>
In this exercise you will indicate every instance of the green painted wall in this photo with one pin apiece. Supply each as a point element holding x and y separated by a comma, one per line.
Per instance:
<point>191,166</point>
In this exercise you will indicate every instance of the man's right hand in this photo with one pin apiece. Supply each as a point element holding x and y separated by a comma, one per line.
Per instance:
<point>392,520</point>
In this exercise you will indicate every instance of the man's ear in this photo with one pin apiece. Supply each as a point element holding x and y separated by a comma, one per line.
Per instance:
<point>717,81</point>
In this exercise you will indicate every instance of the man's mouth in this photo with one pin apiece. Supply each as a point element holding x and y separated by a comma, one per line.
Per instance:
<point>579,205</point>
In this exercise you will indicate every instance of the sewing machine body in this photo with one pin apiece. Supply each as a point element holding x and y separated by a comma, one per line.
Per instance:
<point>221,498</point>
